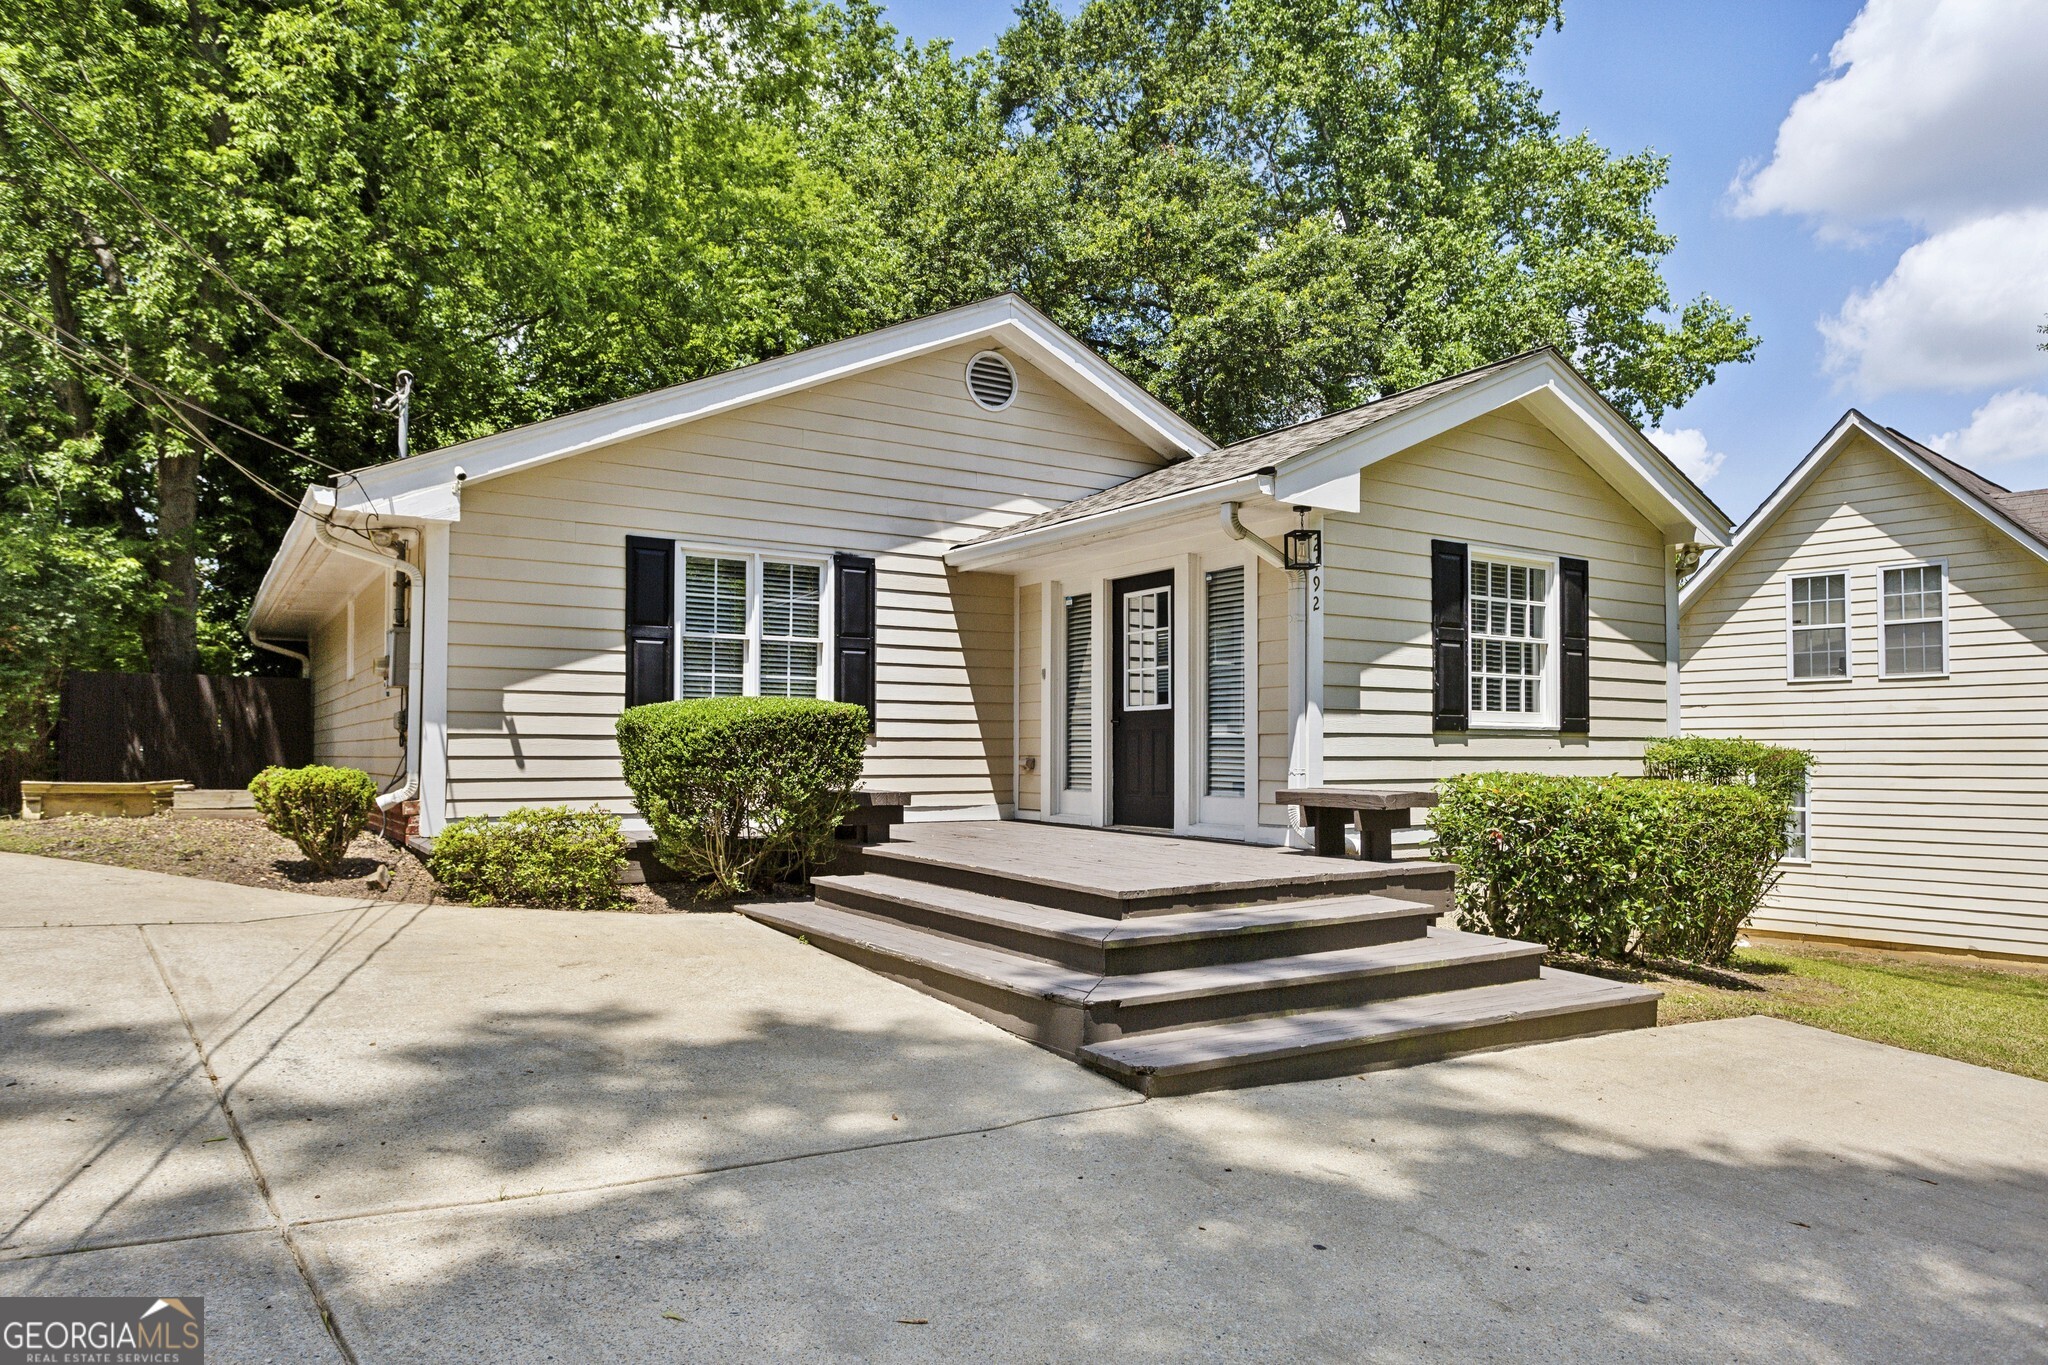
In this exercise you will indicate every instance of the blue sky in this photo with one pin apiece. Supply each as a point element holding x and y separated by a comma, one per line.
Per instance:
<point>1875,197</point>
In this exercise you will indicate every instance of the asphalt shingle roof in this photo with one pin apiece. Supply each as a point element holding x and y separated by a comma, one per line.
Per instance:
<point>1251,455</point>
<point>2028,508</point>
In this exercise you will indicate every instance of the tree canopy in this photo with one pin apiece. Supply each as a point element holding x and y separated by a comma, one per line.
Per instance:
<point>1260,210</point>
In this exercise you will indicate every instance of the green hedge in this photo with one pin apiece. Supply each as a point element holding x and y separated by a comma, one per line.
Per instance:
<point>1772,770</point>
<point>1610,867</point>
<point>320,809</point>
<point>743,792</point>
<point>548,856</point>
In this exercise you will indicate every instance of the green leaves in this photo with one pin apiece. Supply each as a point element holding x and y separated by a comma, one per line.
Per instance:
<point>546,856</point>
<point>319,808</point>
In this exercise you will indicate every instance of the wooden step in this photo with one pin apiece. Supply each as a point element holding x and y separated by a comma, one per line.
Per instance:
<point>1118,947</point>
<point>1062,1008</point>
<point>1171,882</point>
<point>1338,1042</point>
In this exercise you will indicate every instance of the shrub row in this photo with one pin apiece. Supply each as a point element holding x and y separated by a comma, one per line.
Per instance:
<point>1775,771</point>
<point>547,856</point>
<point>1617,868</point>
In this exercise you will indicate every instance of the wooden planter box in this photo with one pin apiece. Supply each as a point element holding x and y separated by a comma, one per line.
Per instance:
<point>40,800</point>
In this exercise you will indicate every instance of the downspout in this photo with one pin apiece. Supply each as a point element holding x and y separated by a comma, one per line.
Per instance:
<point>1236,530</point>
<point>305,663</point>
<point>417,586</point>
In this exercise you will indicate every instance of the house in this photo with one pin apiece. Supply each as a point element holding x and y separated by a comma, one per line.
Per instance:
<point>1061,602</point>
<point>1886,609</point>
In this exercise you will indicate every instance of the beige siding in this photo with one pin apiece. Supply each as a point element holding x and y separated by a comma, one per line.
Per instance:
<point>1505,482</point>
<point>353,711</point>
<point>900,464</point>
<point>1031,676</point>
<point>1930,795</point>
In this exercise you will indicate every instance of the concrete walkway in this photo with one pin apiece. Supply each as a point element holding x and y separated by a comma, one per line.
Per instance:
<point>500,1134</point>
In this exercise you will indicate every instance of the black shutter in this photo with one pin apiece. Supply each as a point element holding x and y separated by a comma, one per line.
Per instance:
<point>853,631</point>
<point>1575,671</point>
<point>650,620</point>
<point>1449,585</point>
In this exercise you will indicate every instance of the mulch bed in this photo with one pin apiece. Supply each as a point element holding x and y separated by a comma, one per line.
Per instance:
<point>246,853</point>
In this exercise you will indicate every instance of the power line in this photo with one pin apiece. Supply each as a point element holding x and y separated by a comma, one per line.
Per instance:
<point>178,237</point>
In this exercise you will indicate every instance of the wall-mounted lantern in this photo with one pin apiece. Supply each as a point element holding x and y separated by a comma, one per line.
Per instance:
<point>1301,548</point>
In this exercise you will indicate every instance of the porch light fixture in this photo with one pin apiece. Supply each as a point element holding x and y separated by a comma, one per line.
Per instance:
<point>1302,549</point>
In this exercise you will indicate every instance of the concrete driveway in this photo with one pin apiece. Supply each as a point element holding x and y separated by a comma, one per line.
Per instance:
<point>469,1134</point>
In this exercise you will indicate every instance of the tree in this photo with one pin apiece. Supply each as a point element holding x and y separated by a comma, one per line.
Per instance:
<point>534,205</point>
<point>1268,209</point>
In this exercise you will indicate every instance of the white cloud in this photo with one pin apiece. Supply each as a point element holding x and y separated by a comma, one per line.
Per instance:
<point>2012,426</point>
<point>1958,312</point>
<point>1933,112</point>
<point>1687,448</point>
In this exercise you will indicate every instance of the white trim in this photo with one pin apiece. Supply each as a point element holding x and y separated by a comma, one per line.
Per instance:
<point>431,620</point>
<point>348,627</point>
<point>1063,535</point>
<point>967,378</point>
<point>425,485</point>
<point>1848,626</point>
<point>1809,469</point>
<point>750,667</point>
<point>1553,643</point>
<point>1877,580</point>
<point>1214,812</point>
<point>1674,646</point>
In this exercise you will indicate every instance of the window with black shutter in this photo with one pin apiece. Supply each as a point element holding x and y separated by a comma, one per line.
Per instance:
<point>853,634</point>
<point>650,620</point>
<point>1449,645</point>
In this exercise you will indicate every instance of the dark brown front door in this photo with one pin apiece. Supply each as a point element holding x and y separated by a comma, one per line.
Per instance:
<point>1142,688</point>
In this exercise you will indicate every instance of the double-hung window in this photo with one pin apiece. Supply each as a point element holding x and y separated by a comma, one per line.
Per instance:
<point>1817,626</point>
<point>1513,623</point>
<point>1912,621</point>
<point>1799,826</point>
<point>751,625</point>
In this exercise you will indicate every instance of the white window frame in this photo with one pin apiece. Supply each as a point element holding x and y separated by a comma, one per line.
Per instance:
<point>750,685</point>
<point>1802,810</point>
<point>1848,626</point>
<point>1878,580</point>
<point>1553,675</point>
<point>1163,667</point>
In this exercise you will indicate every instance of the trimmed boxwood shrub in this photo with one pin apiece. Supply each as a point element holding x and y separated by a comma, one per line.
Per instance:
<point>1770,768</point>
<point>321,809</point>
<point>548,856</point>
<point>743,792</point>
<point>1610,867</point>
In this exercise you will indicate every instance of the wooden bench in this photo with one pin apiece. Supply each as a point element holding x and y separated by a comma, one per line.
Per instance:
<point>874,815</point>
<point>1377,811</point>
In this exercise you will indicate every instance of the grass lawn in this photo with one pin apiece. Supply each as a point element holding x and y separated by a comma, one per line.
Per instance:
<point>1992,1015</point>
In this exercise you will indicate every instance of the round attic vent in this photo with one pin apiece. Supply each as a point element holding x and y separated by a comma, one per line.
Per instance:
<point>991,380</point>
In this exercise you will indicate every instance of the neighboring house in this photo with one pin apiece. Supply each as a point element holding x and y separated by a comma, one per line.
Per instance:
<point>1060,601</point>
<point>1887,610</point>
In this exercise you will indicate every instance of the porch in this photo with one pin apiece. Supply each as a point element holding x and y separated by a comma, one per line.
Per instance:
<point>1175,965</point>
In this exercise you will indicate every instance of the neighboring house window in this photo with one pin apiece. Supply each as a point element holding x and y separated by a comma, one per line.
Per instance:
<point>1912,616</point>
<point>750,626</point>
<point>1818,629</point>
<point>1224,701</point>
<point>1079,677</point>
<point>1513,655</point>
<point>1799,827</point>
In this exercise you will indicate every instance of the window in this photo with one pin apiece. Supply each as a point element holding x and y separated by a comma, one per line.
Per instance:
<point>1912,615</point>
<point>1148,650</point>
<point>1080,692</point>
<point>1799,827</point>
<point>1818,625</point>
<point>751,626</point>
<point>1511,621</point>
<point>1224,700</point>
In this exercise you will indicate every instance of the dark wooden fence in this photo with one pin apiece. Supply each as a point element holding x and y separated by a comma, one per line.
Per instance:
<point>211,732</point>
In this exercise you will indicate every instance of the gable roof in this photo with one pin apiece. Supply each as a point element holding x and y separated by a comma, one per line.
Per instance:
<point>2021,515</point>
<point>425,485</point>
<point>1296,454</point>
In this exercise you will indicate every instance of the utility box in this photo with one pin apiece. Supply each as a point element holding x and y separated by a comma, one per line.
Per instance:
<point>397,656</point>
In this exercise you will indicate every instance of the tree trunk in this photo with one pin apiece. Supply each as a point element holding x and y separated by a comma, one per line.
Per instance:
<point>174,644</point>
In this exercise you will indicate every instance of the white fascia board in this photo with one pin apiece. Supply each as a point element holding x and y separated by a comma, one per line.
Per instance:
<point>1328,476</point>
<point>424,485</point>
<point>1802,477</point>
<point>1083,529</point>
<point>302,559</point>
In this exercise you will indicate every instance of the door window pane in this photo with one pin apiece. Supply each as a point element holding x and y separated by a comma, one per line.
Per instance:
<point>1148,653</point>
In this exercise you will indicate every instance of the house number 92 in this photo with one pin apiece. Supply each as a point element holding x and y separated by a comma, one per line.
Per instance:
<point>1315,590</point>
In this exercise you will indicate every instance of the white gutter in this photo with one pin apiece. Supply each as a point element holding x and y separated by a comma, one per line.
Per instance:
<point>413,691</point>
<point>981,554</point>
<point>1235,529</point>
<point>305,663</point>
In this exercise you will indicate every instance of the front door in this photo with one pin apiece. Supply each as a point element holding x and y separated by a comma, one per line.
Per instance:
<point>1141,711</point>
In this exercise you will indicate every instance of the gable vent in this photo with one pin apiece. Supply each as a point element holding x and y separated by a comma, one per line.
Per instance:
<point>991,380</point>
